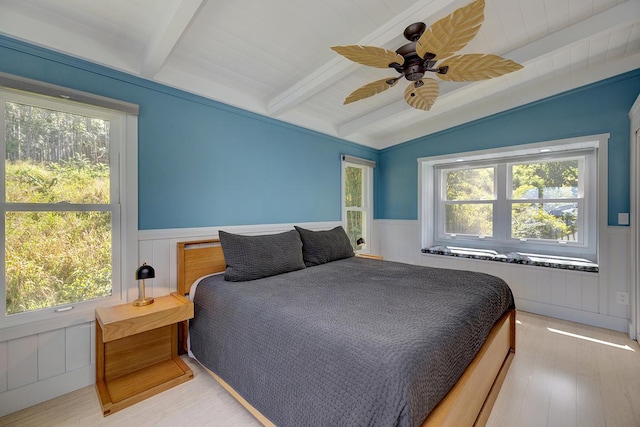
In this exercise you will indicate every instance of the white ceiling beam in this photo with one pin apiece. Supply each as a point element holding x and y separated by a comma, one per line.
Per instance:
<point>616,16</point>
<point>339,67</point>
<point>166,36</point>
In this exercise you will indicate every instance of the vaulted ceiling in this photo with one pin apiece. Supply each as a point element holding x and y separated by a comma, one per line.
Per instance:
<point>273,57</point>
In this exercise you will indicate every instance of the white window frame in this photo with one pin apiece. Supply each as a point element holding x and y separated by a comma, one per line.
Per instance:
<point>367,204</point>
<point>593,218</point>
<point>124,207</point>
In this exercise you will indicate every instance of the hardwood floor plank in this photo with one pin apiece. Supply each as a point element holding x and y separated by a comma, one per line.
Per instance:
<point>564,386</point>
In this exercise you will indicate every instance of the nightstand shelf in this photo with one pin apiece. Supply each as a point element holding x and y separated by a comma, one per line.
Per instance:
<point>136,351</point>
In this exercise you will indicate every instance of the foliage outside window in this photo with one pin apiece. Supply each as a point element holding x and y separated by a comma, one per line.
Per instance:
<point>546,200</point>
<point>469,201</point>
<point>59,205</point>
<point>356,210</point>
<point>527,202</point>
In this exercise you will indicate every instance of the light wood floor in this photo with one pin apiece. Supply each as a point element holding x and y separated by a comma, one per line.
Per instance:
<point>588,378</point>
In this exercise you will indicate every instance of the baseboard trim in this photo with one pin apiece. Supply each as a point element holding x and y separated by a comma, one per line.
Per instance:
<point>593,319</point>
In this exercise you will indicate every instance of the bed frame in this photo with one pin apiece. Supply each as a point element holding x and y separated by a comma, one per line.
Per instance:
<point>468,403</point>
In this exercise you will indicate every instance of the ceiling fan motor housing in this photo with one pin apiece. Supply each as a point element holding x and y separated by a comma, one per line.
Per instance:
<point>414,67</point>
<point>414,71</point>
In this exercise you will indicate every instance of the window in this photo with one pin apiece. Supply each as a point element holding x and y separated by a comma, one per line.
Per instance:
<point>357,196</point>
<point>61,205</point>
<point>547,199</point>
<point>535,199</point>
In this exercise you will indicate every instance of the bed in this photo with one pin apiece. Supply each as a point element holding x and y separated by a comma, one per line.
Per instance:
<point>346,340</point>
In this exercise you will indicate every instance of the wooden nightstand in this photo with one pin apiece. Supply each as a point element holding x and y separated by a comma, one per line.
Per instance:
<point>136,351</point>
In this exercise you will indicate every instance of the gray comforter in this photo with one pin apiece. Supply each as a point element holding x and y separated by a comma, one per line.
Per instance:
<point>355,342</point>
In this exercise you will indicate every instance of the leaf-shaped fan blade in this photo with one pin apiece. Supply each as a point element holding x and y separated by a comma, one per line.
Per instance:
<point>424,96</point>
<point>371,89</point>
<point>369,55</point>
<point>452,33</point>
<point>477,66</point>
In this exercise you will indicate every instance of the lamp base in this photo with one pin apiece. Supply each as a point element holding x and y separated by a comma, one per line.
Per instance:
<point>140,302</point>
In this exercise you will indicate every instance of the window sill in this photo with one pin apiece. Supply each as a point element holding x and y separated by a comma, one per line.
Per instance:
<point>565,263</point>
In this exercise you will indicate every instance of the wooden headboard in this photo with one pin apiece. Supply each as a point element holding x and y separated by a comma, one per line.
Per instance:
<point>196,259</point>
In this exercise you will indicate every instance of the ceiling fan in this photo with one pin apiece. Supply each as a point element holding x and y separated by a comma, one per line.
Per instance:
<point>430,50</point>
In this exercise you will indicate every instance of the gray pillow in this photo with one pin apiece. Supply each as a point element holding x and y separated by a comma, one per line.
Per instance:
<point>320,247</point>
<point>254,257</point>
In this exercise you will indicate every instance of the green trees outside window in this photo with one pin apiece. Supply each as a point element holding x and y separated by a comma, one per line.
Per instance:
<point>551,189</point>
<point>543,197</point>
<point>467,193</point>
<point>57,217</point>
<point>354,199</point>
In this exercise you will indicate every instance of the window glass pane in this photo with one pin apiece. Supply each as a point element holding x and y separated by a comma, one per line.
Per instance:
<point>356,227</point>
<point>552,221</point>
<point>470,184</point>
<point>55,258</point>
<point>545,180</point>
<point>353,180</point>
<point>472,219</point>
<point>54,156</point>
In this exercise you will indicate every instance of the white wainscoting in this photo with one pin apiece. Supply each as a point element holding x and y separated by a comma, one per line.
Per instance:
<point>45,365</point>
<point>588,298</point>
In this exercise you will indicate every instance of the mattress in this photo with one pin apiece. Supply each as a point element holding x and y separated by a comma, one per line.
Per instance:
<point>352,342</point>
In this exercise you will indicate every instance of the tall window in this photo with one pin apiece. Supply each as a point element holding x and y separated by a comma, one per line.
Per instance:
<point>357,195</point>
<point>539,200</point>
<point>60,203</point>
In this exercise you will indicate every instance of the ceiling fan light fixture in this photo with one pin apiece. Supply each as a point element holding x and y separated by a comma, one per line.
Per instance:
<point>425,49</point>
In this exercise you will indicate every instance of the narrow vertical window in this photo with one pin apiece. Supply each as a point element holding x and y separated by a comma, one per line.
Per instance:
<point>357,202</point>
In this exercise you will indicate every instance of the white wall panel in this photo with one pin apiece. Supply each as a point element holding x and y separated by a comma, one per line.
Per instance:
<point>3,366</point>
<point>398,240</point>
<point>559,288</point>
<point>618,271</point>
<point>163,267</point>
<point>543,286</point>
<point>574,291</point>
<point>78,346</point>
<point>51,352</point>
<point>511,277</point>
<point>23,361</point>
<point>42,366</point>
<point>590,293</point>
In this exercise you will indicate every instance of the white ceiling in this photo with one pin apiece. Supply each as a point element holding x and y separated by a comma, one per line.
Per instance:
<point>273,57</point>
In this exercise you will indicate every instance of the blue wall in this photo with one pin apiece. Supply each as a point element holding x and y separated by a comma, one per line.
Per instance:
<point>203,163</point>
<point>599,108</point>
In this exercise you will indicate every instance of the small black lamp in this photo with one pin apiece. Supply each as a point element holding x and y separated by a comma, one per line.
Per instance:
<point>143,272</point>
